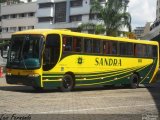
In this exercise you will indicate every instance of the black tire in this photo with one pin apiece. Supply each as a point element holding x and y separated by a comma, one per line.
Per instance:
<point>134,81</point>
<point>67,83</point>
<point>37,88</point>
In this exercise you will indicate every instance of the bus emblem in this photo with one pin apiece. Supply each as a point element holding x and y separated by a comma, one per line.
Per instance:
<point>80,60</point>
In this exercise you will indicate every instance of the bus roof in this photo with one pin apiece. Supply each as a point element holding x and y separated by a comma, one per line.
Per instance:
<point>69,32</point>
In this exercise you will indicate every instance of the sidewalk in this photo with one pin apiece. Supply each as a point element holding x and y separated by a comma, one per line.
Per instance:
<point>3,82</point>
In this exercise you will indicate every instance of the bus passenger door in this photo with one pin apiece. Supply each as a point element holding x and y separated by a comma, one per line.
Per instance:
<point>51,51</point>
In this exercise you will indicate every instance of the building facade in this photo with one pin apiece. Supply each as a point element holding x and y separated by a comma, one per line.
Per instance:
<point>63,13</point>
<point>30,14</point>
<point>66,13</point>
<point>158,11</point>
<point>138,32</point>
<point>17,17</point>
<point>154,33</point>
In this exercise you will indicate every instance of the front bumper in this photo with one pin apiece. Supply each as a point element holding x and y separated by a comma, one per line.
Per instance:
<point>24,80</point>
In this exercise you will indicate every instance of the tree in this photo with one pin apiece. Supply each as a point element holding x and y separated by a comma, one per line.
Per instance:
<point>2,1</point>
<point>113,15</point>
<point>95,28</point>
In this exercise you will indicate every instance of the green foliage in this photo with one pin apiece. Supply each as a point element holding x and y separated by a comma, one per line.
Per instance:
<point>113,14</point>
<point>96,29</point>
<point>4,43</point>
<point>2,1</point>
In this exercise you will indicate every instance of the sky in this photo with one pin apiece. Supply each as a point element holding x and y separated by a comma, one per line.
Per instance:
<point>142,11</point>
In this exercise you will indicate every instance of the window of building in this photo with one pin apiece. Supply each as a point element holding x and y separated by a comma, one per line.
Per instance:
<point>101,1</point>
<point>31,14</point>
<point>45,19</point>
<point>88,45</point>
<point>60,12</point>
<point>77,44</point>
<point>30,27</point>
<point>5,29</point>
<point>45,5</point>
<point>92,16</point>
<point>5,16</point>
<point>22,15</point>
<point>13,29</point>
<point>21,28</point>
<point>76,3</point>
<point>67,43</point>
<point>75,18</point>
<point>126,49</point>
<point>96,46</point>
<point>13,16</point>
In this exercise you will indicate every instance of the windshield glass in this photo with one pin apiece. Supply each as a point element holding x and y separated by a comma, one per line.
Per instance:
<point>25,51</point>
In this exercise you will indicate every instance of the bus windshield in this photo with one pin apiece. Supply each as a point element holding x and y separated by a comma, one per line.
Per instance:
<point>25,51</point>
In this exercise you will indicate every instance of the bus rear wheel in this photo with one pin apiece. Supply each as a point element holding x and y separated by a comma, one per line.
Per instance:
<point>67,83</point>
<point>134,81</point>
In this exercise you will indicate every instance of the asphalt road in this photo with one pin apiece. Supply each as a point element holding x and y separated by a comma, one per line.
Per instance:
<point>91,103</point>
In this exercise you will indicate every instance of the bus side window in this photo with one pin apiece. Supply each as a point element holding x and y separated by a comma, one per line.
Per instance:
<point>113,48</point>
<point>77,44</point>
<point>67,43</point>
<point>96,46</point>
<point>145,54</point>
<point>135,50</point>
<point>126,48</point>
<point>141,50</point>
<point>88,45</point>
<point>154,51</point>
<point>106,47</point>
<point>149,51</point>
<point>138,49</point>
<point>145,50</point>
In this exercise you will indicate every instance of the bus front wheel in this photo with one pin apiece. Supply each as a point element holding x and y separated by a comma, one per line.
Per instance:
<point>37,88</point>
<point>134,81</point>
<point>67,83</point>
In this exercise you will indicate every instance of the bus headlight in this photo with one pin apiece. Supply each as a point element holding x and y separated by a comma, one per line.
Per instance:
<point>33,75</point>
<point>8,73</point>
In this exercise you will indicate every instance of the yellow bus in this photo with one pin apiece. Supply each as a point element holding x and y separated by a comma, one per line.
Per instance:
<point>50,58</point>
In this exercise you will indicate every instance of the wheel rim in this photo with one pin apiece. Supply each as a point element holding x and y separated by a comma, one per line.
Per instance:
<point>67,83</point>
<point>135,79</point>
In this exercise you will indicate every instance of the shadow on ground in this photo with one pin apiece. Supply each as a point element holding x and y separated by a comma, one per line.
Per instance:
<point>28,89</point>
<point>154,90</point>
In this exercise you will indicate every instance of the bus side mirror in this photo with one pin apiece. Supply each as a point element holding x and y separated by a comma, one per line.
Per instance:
<point>4,51</point>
